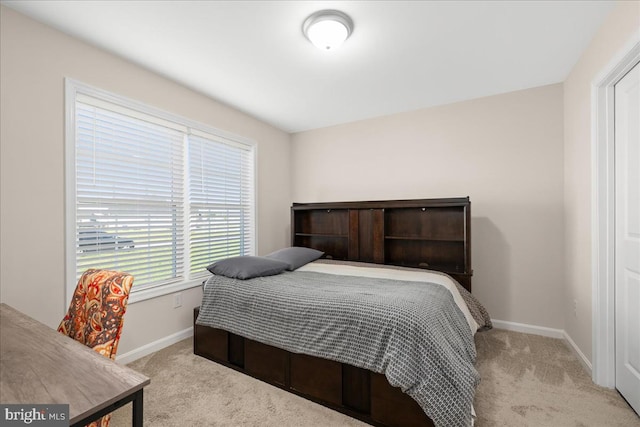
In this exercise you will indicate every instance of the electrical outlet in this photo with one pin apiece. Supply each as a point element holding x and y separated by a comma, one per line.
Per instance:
<point>177,300</point>
<point>575,308</point>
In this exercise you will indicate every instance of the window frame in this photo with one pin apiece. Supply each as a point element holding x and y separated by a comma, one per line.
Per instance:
<point>73,89</point>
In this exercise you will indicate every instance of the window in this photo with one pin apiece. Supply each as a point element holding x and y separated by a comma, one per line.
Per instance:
<point>152,194</point>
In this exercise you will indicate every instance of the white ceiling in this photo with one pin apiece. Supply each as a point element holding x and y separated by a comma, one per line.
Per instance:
<point>402,55</point>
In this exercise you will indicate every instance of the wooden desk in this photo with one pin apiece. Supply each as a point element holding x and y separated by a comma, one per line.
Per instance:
<point>39,365</point>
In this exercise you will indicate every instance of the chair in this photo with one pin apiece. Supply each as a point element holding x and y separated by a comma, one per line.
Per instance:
<point>96,313</point>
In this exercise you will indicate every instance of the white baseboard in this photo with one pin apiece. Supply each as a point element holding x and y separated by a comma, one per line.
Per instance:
<point>545,332</point>
<point>154,346</point>
<point>528,329</point>
<point>579,354</point>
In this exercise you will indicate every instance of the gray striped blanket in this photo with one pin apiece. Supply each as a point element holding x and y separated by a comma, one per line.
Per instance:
<point>412,332</point>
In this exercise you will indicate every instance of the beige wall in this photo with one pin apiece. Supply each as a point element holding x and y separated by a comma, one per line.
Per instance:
<point>614,34</point>
<point>34,61</point>
<point>523,158</point>
<point>504,151</point>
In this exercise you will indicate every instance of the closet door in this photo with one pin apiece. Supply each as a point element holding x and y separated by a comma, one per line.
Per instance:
<point>627,247</point>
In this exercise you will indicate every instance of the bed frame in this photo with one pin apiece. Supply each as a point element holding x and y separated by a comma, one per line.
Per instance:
<point>426,233</point>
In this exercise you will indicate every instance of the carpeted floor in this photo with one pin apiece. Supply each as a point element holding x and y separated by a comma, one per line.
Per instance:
<point>527,380</point>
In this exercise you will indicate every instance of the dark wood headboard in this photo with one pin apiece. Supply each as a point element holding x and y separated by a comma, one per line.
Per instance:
<point>425,233</point>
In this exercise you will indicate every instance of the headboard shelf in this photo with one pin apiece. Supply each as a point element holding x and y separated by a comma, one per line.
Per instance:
<point>339,236</point>
<point>422,233</point>
<point>426,239</point>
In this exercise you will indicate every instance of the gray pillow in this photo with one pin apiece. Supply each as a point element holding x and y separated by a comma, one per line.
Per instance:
<point>247,267</point>
<point>296,256</point>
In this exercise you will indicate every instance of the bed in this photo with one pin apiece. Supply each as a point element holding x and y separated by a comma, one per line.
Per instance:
<point>387,344</point>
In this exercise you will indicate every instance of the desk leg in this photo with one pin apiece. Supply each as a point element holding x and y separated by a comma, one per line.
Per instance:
<point>138,406</point>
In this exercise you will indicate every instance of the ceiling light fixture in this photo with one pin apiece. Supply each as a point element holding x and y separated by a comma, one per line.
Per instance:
<point>327,29</point>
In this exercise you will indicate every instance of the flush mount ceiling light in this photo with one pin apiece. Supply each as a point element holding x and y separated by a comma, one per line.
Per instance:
<point>327,29</point>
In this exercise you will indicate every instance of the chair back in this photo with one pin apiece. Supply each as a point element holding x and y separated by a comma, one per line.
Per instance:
<point>96,312</point>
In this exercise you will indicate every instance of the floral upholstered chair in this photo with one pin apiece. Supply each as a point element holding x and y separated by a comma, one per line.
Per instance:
<point>96,312</point>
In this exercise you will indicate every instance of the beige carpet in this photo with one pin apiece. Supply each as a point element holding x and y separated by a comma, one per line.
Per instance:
<point>527,380</point>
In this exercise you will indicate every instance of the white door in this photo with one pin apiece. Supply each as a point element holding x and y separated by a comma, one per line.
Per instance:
<point>627,236</point>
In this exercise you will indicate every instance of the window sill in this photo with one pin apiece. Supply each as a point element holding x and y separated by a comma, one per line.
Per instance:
<point>158,291</point>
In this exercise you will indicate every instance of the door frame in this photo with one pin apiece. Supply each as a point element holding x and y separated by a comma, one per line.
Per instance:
<point>603,212</point>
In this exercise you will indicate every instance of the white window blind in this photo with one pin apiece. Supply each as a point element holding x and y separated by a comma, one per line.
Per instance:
<point>154,195</point>
<point>220,201</point>
<point>129,196</point>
